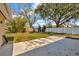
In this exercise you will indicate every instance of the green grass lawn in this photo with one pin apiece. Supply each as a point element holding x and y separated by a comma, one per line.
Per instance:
<point>19,37</point>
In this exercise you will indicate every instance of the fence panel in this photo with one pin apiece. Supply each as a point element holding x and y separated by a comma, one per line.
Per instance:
<point>74,30</point>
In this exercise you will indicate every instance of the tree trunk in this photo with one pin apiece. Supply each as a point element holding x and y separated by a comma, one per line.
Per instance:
<point>57,25</point>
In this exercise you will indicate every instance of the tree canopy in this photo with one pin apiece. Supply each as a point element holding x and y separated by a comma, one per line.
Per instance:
<point>58,12</point>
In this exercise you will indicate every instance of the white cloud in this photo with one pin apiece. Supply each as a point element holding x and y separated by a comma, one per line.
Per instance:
<point>35,5</point>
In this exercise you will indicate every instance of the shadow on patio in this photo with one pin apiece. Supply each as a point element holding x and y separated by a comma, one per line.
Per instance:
<point>7,49</point>
<point>64,47</point>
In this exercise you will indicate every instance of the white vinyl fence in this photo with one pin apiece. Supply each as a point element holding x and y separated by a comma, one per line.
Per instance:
<point>74,30</point>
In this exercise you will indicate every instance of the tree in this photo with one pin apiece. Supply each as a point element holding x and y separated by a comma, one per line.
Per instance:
<point>27,11</point>
<point>16,25</point>
<point>60,13</point>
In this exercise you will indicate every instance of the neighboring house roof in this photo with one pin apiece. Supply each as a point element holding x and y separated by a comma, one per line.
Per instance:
<point>5,11</point>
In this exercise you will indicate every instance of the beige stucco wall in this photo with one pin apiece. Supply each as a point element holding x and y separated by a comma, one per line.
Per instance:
<point>5,9</point>
<point>1,29</point>
<point>5,14</point>
<point>1,33</point>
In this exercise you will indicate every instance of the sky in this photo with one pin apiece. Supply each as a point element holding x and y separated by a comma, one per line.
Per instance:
<point>16,6</point>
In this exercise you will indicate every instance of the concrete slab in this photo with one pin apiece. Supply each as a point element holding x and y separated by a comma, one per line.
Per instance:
<point>7,49</point>
<point>65,47</point>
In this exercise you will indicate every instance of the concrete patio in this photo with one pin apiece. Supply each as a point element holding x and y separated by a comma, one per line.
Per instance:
<point>7,49</point>
<point>50,46</point>
<point>22,47</point>
<point>64,47</point>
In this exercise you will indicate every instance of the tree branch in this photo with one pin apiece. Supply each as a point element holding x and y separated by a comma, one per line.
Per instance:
<point>66,20</point>
<point>71,15</point>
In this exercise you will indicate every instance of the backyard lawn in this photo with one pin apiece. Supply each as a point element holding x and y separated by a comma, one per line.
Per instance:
<point>19,37</point>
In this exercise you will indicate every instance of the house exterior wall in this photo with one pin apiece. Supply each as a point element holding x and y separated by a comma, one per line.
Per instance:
<point>4,15</point>
<point>1,33</point>
<point>5,9</point>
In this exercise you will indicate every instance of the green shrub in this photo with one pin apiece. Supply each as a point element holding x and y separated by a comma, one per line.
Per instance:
<point>16,25</point>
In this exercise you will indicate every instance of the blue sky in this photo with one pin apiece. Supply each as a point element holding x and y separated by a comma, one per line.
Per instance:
<point>16,6</point>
